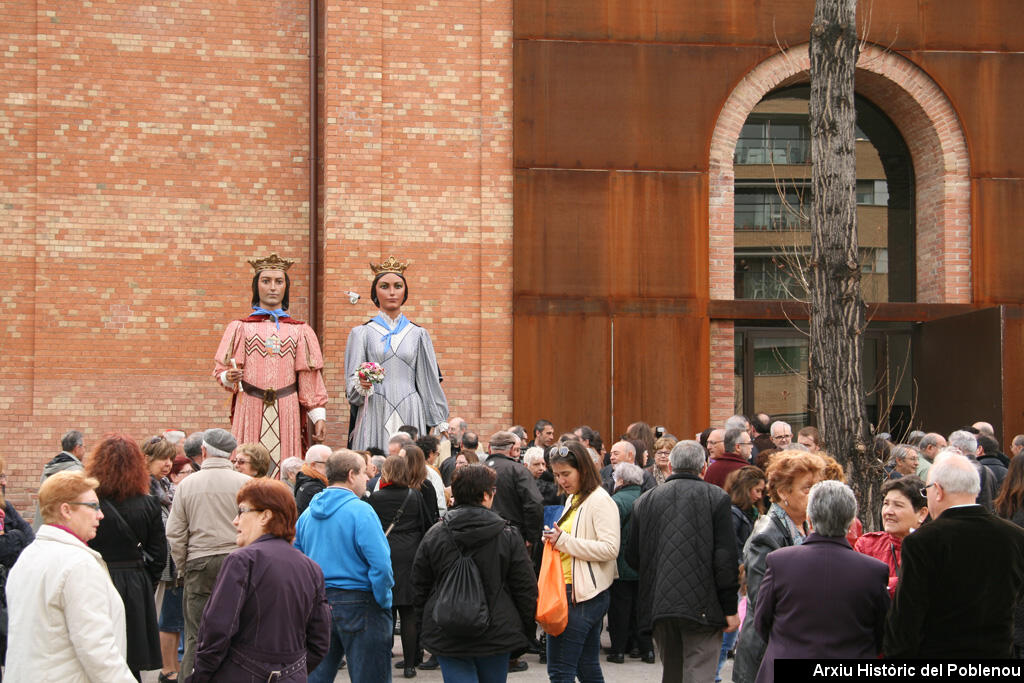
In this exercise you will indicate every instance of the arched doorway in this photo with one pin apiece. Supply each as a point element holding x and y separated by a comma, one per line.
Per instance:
<point>938,198</point>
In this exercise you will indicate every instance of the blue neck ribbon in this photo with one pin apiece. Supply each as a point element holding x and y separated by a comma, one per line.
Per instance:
<point>276,314</point>
<point>385,322</point>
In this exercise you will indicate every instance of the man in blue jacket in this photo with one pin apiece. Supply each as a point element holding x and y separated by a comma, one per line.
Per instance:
<point>342,534</point>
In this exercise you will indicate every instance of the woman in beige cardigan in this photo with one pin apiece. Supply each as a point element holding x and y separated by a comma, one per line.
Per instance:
<point>587,536</point>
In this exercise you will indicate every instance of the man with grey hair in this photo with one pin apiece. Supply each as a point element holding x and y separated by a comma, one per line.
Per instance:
<point>736,446</point>
<point>193,447</point>
<point>517,498</point>
<point>822,599</point>
<point>624,452</point>
<point>930,445</point>
<point>72,452</point>
<point>716,444</point>
<point>967,445</point>
<point>1017,445</point>
<point>737,422</point>
<point>200,532</point>
<point>782,434</point>
<point>682,543</point>
<point>984,428</point>
<point>312,477</point>
<point>944,607</point>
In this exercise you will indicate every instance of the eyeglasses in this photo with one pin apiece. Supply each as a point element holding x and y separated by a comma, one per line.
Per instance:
<point>782,436</point>
<point>745,443</point>
<point>714,441</point>
<point>558,450</point>
<point>242,510</point>
<point>92,506</point>
<point>924,491</point>
<point>663,452</point>
<point>242,461</point>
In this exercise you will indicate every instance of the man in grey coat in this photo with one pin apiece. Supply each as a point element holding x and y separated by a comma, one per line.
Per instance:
<point>200,530</point>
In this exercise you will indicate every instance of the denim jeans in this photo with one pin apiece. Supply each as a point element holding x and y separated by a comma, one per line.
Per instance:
<point>728,642</point>
<point>490,669</point>
<point>360,629</point>
<point>577,651</point>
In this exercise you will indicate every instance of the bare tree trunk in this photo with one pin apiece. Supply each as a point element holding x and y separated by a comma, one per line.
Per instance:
<point>837,308</point>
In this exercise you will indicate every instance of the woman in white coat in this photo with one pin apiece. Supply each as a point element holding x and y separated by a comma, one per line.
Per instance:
<point>66,618</point>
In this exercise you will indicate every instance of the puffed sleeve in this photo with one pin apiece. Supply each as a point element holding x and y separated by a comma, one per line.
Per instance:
<point>428,382</point>
<point>309,363</point>
<point>231,346</point>
<point>355,355</point>
<point>221,617</point>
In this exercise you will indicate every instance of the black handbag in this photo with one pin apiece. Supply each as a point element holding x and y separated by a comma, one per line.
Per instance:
<point>460,607</point>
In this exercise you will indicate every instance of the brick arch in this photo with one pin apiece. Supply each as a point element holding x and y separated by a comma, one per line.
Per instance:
<point>930,127</point>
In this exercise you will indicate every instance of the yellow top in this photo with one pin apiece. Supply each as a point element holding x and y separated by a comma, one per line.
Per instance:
<point>566,527</point>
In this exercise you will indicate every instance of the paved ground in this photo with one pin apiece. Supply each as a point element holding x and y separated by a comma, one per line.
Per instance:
<point>633,671</point>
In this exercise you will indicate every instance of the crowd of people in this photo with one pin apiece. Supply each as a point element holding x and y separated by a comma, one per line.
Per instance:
<point>739,542</point>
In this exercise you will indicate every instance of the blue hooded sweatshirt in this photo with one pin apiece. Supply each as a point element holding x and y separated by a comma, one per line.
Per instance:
<point>343,535</point>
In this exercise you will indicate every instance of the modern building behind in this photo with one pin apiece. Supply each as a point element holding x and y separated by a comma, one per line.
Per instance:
<point>589,193</point>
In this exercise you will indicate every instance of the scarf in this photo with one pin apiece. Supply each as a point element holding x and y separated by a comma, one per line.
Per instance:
<point>311,472</point>
<point>796,532</point>
<point>384,322</point>
<point>276,314</point>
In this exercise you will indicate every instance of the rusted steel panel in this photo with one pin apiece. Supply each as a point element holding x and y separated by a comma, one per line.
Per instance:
<point>621,105</point>
<point>975,341</point>
<point>562,366</point>
<point>979,25</point>
<point>985,91</point>
<point>1013,375</point>
<point>996,240</point>
<point>896,24</point>
<point>610,234</point>
<point>662,367</point>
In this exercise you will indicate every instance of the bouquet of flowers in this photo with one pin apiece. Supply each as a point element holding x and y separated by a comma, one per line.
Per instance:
<point>371,372</point>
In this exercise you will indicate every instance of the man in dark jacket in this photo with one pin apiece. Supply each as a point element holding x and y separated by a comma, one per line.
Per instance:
<point>683,545</point>
<point>736,456</point>
<point>69,459</point>
<point>944,607</point>
<point>517,498</point>
<point>990,458</point>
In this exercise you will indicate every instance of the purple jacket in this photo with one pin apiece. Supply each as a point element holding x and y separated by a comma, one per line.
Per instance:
<point>821,599</point>
<point>268,611</point>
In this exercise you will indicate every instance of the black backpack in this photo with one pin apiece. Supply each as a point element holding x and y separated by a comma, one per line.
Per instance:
<point>461,606</point>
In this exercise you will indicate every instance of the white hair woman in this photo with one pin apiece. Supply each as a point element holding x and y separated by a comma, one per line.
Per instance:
<point>822,599</point>
<point>622,610</point>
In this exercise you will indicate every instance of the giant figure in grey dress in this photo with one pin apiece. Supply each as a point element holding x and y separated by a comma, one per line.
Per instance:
<point>411,392</point>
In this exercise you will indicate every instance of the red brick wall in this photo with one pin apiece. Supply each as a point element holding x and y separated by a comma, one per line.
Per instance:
<point>151,149</point>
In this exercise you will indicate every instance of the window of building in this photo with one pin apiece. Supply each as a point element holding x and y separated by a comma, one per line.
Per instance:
<point>772,201</point>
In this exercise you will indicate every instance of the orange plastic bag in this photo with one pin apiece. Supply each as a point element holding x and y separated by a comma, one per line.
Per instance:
<point>552,606</point>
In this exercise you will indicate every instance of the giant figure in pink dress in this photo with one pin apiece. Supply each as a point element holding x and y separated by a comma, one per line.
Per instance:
<point>272,363</point>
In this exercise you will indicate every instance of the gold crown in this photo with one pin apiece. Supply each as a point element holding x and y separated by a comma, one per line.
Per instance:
<point>272,262</point>
<point>392,265</point>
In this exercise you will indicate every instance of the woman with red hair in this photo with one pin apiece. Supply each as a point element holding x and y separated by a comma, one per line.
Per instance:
<point>131,540</point>
<point>268,617</point>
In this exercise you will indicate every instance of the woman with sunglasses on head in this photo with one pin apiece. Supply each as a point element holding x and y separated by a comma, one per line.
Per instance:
<point>587,536</point>
<point>131,540</point>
